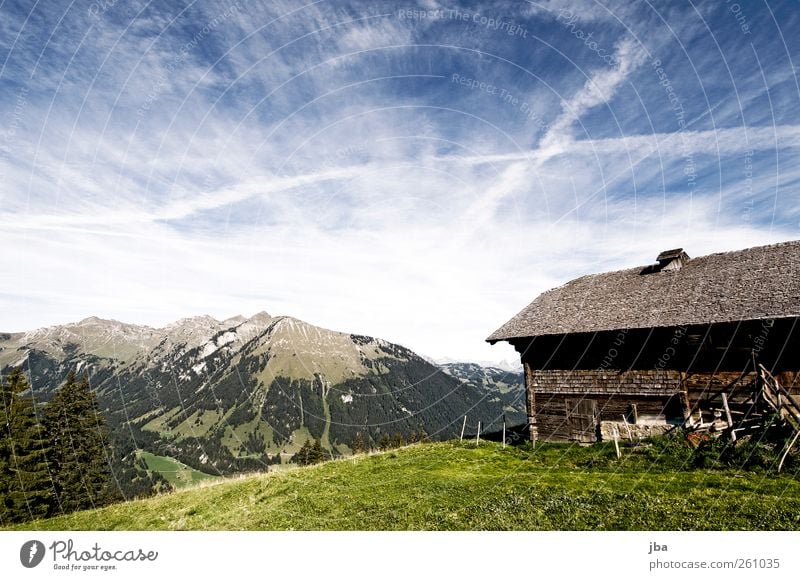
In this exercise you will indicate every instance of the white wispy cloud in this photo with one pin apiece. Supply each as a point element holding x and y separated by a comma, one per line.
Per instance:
<point>599,89</point>
<point>294,163</point>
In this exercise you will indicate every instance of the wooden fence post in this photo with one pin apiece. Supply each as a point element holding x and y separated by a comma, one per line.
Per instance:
<point>728,416</point>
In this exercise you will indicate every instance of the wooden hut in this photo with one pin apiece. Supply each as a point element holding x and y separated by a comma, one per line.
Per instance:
<point>698,341</point>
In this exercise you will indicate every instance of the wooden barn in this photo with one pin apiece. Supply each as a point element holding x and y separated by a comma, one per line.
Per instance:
<point>710,342</point>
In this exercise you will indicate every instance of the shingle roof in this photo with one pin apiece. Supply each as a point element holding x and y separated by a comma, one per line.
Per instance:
<point>751,284</point>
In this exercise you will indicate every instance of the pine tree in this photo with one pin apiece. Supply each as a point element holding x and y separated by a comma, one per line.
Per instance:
<point>358,444</point>
<point>302,457</point>
<point>6,475</point>
<point>79,453</point>
<point>399,440</point>
<point>318,454</point>
<point>384,442</point>
<point>25,484</point>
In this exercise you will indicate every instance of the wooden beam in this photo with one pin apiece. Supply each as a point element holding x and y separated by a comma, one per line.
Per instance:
<point>530,400</point>
<point>728,416</point>
<point>786,451</point>
<point>627,428</point>
<point>687,407</point>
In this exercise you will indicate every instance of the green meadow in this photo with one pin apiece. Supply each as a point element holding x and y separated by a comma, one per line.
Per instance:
<point>461,486</point>
<point>175,472</point>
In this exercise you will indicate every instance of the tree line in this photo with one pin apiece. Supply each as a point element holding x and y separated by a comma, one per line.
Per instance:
<point>54,458</point>
<point>360,445</point>
<point>312,451</point>
<point>57,458</point>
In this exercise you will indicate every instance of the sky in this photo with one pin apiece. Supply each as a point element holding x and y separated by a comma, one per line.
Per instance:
<point>414,171</point>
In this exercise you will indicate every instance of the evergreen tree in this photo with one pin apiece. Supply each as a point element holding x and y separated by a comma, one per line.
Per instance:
<point>384,442</point>
<point>358,444</point>
<point>318,454</point>
<point>302,457</point>
<point>310,453</point>
<point>25,485</point>
<point>6,475</point>
<point>399,440</point>
<point>79,452</point>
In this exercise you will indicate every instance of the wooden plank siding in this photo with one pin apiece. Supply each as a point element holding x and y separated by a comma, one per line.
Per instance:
<point>613,393</point>
<point>667,395</point>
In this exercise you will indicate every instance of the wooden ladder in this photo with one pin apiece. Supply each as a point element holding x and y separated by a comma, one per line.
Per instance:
<point>783,403</point>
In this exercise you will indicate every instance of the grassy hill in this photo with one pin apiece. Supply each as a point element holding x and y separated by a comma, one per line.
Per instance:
<point>234,396</point>
<point>452,486</point>
<point>175,472</point>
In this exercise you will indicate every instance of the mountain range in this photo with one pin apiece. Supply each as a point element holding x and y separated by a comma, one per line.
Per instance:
<point>238,394</point>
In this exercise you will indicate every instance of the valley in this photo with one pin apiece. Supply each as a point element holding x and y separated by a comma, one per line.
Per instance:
<point>244,394</point>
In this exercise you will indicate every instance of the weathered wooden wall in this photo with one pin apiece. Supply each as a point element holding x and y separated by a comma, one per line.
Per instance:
<point>699,386</point>
<point>668,396</point>
<point>551,393</point>
<point>670,372</point>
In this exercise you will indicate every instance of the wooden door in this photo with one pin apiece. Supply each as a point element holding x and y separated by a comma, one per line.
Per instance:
<point>582,418</point>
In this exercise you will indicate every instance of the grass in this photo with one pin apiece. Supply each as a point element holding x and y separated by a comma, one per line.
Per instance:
<point>453,486</point>
<point>175,472</point>
<point>159,424</point>
<point>198,424</point>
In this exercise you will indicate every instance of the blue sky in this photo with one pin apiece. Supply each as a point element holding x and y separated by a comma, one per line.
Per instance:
<point>418,172</point>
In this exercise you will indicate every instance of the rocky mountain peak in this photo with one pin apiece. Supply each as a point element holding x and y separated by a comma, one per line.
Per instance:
<point>262,316</point>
